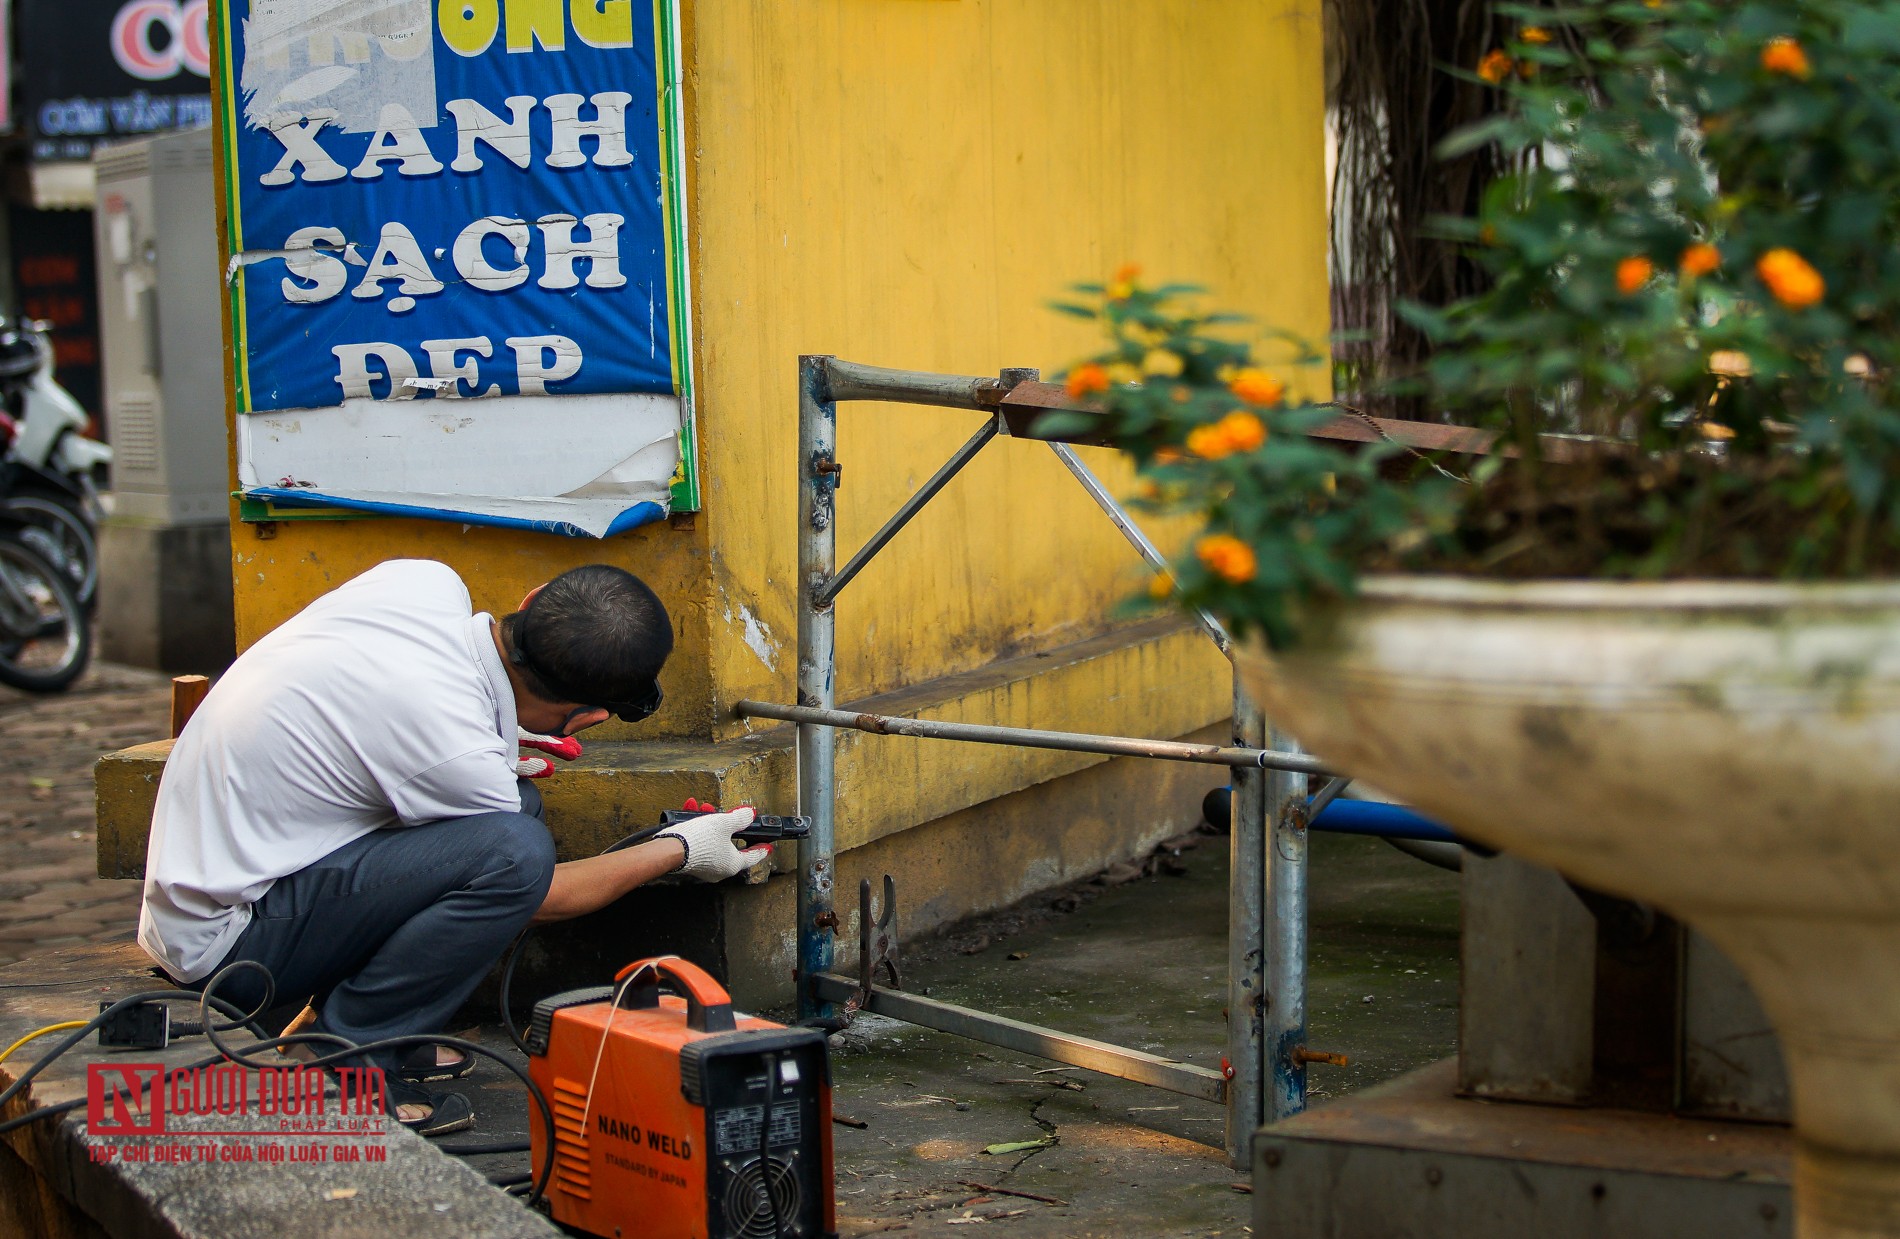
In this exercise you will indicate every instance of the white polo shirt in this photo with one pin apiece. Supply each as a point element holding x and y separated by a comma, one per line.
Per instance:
<point>382,703</point>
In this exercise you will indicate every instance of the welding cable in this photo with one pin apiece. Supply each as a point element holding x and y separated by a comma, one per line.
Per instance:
<point>507,983</point>
<point>39,1032</point>
<point>765,1146</point>
<point>483,1150</point>
<point>369,1047</point>
<point>606,1030</point>
<point>511,1180</point>
<point>240,1019</point>
<point>66,1107</point>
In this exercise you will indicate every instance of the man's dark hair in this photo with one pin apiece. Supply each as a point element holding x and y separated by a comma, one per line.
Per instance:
<point>593,635</point>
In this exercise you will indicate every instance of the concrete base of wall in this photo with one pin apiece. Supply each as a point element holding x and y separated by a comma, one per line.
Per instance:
<point>165,596</point>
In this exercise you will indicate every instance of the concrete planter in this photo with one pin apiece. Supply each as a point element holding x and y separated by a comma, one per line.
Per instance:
<point>1727,751</point>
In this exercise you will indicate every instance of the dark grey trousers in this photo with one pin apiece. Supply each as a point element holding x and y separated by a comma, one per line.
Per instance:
<point>388,935</point>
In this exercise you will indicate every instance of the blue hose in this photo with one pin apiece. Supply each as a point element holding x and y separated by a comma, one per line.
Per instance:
<point>1351,817</point>
<point>1387,821</point>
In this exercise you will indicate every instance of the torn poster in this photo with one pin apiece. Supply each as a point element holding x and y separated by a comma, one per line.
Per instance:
<point>457,276</point>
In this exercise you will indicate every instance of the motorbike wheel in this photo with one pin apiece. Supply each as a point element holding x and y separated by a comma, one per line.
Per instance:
<point>45,641</point>
<point>57,527</point>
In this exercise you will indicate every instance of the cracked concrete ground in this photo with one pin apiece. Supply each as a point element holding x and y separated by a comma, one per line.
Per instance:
<point>1142,964</point>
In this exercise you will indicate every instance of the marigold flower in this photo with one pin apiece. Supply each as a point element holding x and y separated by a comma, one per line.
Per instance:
<point>1257,387</point>
<point>1121,290</point>
<point>1127,273</point>
<point>1496,66</point>
<point>1209,442</point>
<point>1086,380</point>
<point>1227,557</point>
<point>1632,273</point>
<point>1782,54</point>
<point>1794,282</point>
<point>1160,586</point>
<point>1699,259</point>
<point>1244,431</point>
<point>1534,34</point>
<point>1163,362</point>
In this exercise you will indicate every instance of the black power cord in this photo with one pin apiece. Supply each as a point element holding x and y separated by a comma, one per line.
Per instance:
<point>351,1050</point>
<point>240,1019</point>
<point>765,1146</point>
<point>508,962</point>
<point>206,1001</point>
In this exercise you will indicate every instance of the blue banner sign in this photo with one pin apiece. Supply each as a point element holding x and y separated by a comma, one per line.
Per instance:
<point>439,200</point>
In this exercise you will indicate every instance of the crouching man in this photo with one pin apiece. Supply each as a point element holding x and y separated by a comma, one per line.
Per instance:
<point>345,810</point>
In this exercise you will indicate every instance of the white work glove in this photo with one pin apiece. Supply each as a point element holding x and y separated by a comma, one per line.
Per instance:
<point>711,855</point>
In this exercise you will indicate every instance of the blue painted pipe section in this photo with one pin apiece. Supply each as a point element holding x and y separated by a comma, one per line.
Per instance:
<point>1387,821</point>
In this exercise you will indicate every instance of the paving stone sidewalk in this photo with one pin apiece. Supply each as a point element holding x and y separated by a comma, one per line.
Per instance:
<point>49,894</point>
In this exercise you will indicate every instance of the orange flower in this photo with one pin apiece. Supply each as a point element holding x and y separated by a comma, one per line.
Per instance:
<point>1495,67</point>
<point>1209,442</point>
<point>1244,431</point>
<point>1127,273</point>
<point>1699,259</point>
<point>1257,387</point>
<point>1790,278</point>
<point>1782,54</point>
<point>1227,557</point>
<point>1632,273</point>
<point>1086,380</point>
<point>1534,34</point>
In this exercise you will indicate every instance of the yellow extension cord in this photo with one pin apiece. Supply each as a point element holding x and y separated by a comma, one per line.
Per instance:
<point>40,1032</point>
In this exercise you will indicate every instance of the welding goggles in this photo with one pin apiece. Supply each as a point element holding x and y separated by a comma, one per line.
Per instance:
<point>641,703</point>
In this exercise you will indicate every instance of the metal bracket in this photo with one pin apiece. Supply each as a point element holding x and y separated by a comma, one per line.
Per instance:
<point>877,943</point>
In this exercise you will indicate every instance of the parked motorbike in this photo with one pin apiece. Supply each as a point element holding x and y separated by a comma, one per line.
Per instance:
<point>45,639</point>
<point>49,475</point>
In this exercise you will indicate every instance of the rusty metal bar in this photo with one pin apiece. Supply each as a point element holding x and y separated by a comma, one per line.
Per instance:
<point>847,380</point>
<point>1098,1056</point>
<point>1029,737</point>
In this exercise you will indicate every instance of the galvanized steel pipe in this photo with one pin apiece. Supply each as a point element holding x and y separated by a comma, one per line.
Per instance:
<point>1031,738</point>
<point>817,657</point>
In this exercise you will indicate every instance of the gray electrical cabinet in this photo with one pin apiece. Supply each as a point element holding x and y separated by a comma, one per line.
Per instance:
<point>165,550</point>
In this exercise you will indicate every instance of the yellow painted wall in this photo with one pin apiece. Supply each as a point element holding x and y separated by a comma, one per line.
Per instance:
<point>908,183</point>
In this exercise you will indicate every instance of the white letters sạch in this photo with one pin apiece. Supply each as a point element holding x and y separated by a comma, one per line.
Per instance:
<point>491,253</point>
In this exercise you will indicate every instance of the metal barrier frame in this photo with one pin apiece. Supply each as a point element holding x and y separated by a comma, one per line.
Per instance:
<point>1264,1068</point>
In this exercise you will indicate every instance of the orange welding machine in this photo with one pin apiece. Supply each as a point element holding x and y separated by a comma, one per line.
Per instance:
<point>674,1119</point>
